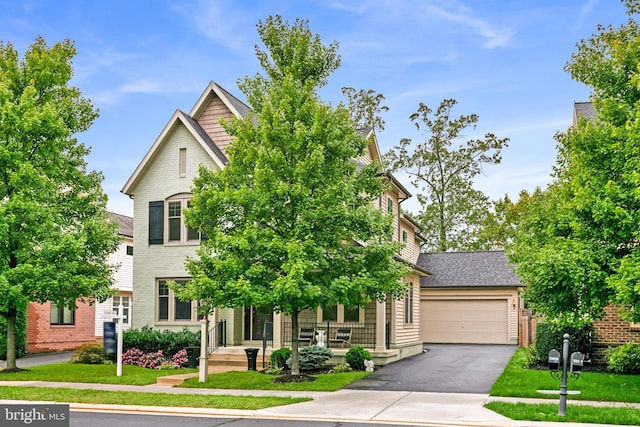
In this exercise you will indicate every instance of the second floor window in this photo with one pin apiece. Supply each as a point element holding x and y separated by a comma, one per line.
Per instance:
<point>166,222</point>
<point>61,315</point>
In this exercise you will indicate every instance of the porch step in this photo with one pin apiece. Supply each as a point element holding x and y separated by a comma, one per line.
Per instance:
<point>234,358</point>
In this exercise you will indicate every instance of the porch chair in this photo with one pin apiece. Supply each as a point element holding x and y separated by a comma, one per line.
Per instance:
<point>307,335</point>
<point>343,337</point>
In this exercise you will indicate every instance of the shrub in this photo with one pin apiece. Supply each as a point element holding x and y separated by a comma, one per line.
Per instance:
<point>356,356</point>
<point>312,357</point>
<point>90,354</point>
<point>549,335</point>
<point>154,360</point>
<point>338,369</point>
<point>279,357</point>
<point>624,359</point>
<point>150,340</point>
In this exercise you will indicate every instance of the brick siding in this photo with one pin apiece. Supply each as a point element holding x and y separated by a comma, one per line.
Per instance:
<point>43,337</point>
<point>611,331</point>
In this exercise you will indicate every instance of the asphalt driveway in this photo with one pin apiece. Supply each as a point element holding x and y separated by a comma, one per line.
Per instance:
<point>442,368</point>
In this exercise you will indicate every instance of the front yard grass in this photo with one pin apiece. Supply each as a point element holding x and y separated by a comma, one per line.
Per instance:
<point>516,381</point>
<point>144,399</point>
<point>81,373</point>
<point>253,380</point>
<point>575,413</point>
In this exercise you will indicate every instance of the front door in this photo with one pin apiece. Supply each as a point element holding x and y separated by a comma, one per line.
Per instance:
<point>255,319</point>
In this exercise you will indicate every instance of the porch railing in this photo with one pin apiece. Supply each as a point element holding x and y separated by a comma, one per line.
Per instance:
<point>362,334</point>
<point>218,336</point>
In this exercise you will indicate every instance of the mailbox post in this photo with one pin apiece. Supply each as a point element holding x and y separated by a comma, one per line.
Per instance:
<point>554,368</point>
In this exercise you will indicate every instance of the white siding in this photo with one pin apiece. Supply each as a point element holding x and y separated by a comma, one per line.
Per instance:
<point>160,181</point>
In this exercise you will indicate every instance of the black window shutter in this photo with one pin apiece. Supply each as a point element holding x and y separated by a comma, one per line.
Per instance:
<point>156,223</point>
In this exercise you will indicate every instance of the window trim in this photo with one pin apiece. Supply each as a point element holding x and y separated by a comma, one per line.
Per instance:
<point>171,304</point>
<point>184,200</point>
<point>125,308</point>
<point>408,305</point>
<point>61,315</point>
<point>340,315</point>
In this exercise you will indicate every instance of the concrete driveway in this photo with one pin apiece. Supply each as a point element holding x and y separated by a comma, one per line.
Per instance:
<point>442,368</point>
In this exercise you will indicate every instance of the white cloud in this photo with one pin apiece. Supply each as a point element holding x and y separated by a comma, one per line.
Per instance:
<point>496,36</point>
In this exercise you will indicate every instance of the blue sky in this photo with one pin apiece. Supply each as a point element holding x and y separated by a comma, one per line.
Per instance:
<point>139,61</point>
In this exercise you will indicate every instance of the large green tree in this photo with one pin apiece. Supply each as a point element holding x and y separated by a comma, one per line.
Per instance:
<point>442,168</point>
<point>55,233</point>
<point>290,220</point>
<point>577,248</point>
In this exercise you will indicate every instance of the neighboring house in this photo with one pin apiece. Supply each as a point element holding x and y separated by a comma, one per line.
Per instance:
<point>160,187</point>
<point>469,297</point>
<point>123,278</point>
<point>52,328</point>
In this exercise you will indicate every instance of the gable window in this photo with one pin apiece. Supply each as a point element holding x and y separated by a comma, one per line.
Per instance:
<point>389,205</point>
<point>61,315</point>
<point>169,307</point>
<point>405,236</point>
<point>408,305</point>
<point>182,163</point>
<point>129,250</point>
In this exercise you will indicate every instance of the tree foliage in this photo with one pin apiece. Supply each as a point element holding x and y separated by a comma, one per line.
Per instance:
<point>290,219</point>
<point>452,210</point>
<point>577,248</point>
<point>55,233</point>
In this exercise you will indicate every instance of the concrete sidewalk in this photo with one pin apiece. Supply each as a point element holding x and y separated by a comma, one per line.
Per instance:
<point>400,407</point>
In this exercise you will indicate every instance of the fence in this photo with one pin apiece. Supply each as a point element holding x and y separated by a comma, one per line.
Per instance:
<point>218,336</point>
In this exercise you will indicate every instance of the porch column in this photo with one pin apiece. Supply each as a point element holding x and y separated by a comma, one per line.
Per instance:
<point>381,313</point>
<point>277,330</point>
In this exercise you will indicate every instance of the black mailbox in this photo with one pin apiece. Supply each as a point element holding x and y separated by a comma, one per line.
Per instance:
<point>576,362</point>
<point>554,360</point>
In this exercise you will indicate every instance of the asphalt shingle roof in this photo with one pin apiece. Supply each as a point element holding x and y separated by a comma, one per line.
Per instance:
<point>467,269</point>
<point>125,224</point>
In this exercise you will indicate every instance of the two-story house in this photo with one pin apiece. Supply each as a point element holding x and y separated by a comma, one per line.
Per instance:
<point>160,187</point>
<point>53,328</point>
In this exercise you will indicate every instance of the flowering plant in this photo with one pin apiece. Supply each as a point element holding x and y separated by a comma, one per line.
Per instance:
<point>154,360</point>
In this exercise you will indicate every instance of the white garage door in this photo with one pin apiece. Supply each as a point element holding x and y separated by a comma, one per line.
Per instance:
<point>464,321</point>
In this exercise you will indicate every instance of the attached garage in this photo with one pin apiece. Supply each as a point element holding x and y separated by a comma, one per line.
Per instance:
<point>469,297</point>
<point>476,321</point>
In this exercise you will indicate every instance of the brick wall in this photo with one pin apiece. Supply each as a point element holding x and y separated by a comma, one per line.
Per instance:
<point>44,337</point>
<point>612,331</point>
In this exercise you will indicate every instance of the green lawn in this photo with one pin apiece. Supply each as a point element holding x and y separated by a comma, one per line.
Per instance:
<point>517,381</point>
<point>575,413</point>
<point>80,373</point>
<point>253,380</point>
<point>144,399</point>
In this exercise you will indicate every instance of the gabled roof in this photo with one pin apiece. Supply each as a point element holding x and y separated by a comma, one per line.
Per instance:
<point>467,269</point>
<point>237,107</point>
<point>179,117</point>
<point>125,224</point>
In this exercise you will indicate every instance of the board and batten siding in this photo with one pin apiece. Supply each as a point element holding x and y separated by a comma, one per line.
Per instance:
<point>160,181</point>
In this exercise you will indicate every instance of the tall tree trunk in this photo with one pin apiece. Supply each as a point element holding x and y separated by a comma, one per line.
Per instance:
<point>11,338</point>
<point>295,366</point>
